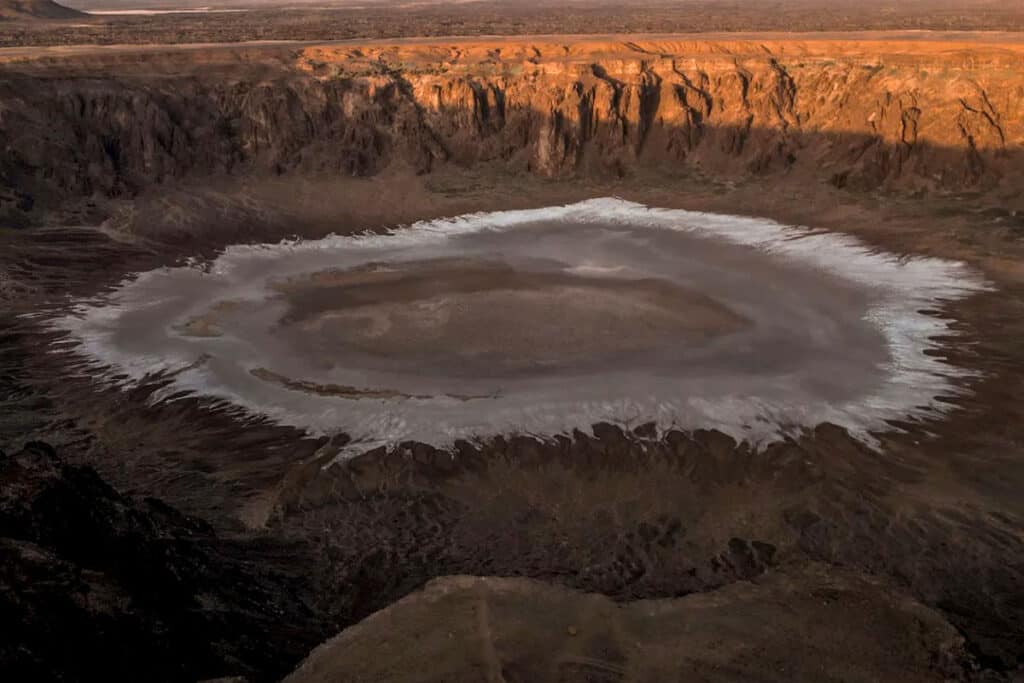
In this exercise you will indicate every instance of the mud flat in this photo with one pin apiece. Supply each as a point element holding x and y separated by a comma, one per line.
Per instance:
<point>543,322</point>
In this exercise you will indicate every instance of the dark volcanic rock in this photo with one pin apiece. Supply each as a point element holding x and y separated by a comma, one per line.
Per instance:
<point>94,584</point>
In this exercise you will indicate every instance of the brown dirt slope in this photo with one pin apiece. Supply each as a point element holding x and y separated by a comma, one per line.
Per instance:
<point>35,9</point>
<point>825,626</point>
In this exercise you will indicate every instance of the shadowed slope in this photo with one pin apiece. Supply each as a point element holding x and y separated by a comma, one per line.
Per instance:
<point>35,9</point>
<point>95,585</point>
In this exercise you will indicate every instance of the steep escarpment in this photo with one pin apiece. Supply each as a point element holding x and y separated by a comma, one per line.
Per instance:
<point>901,116</point>
<point>875,115</point>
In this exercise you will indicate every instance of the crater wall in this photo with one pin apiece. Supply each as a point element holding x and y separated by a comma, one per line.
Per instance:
<point>897,115</point>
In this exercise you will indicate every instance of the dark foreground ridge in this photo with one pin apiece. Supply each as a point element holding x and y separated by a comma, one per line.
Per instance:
<point>95,585</point>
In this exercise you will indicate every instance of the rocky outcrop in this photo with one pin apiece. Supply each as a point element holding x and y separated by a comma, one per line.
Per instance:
<point>896,116</point>
<point>105,137</point>
<point>95,585</point>
<point>824,626</point>
<point>98,586</point>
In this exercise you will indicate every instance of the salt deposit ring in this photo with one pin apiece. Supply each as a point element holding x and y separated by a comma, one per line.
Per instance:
<point>544,321</point>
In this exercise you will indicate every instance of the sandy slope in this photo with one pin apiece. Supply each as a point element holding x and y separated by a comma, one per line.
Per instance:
<point>35,9</point>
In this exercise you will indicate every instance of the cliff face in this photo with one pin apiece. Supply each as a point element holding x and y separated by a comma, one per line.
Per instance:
<point>903,116</point>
